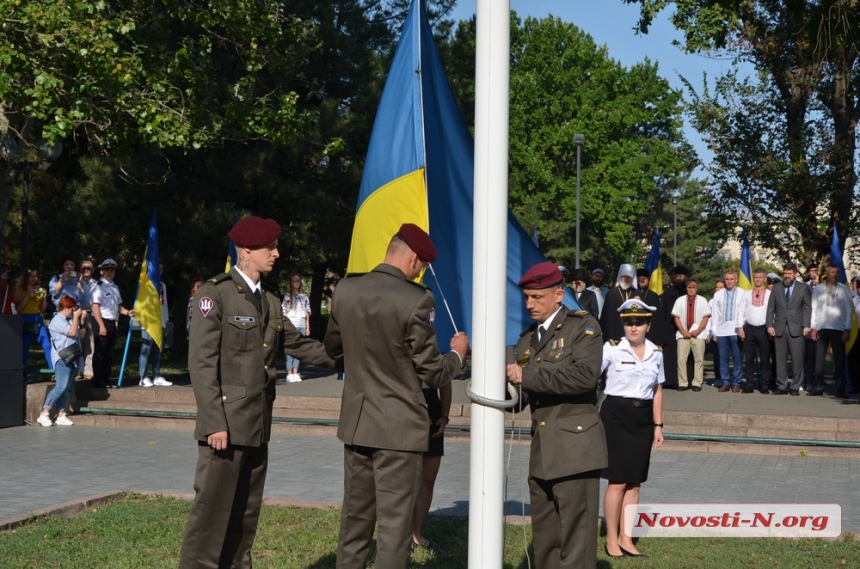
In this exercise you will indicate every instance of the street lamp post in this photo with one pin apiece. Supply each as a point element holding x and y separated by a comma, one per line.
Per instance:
<point>45,155</point>
<point>578,140</point>
<point>675,230</point>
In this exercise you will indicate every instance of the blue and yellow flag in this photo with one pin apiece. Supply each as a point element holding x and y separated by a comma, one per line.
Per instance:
<point>232,256</point>
<point>836,260</point>
<point>420,169</point>
<point>654,266</point>
<point>745,274</point>
<point>147,307</point>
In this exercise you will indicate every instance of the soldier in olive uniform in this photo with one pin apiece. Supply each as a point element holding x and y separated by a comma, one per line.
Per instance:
<point>558,365</point>
<point>237,334</point>
<point>382,325</point>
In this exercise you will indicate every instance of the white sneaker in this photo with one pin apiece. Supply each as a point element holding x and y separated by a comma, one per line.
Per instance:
<point>64,421</point>
<point>294,378</point>
<point>145,382</point>
<point>160,381</point>
<point>44,420</point>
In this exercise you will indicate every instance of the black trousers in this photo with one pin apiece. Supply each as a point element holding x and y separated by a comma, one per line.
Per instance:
<point>756,341</point>
<point>103,354</point>
<point>834,337</point>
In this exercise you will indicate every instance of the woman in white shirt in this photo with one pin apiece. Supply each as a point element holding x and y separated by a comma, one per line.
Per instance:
<point>297,308</point>
<point>632,415</point>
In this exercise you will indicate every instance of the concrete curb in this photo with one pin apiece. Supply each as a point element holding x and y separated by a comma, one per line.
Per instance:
<point>67,509</point>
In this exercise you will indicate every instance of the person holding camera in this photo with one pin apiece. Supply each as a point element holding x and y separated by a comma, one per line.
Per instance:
<point>65,353</point>
<point>66,282</point>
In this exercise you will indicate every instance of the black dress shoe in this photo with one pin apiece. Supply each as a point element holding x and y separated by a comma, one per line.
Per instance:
<point>764,391</point>
<point>794,392</point>
<point>606,547</point>
<point>630,553</point>
<point>749,389</point>
<point>815,393</point>
<point>696,388</point>
<point>842,395</point>
<point>682,388</point>
<point>780,392</point>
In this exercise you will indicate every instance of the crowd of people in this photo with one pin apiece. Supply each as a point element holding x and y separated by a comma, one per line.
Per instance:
<point>772,338</point>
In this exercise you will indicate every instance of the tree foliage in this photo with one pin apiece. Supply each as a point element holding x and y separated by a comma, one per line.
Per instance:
<point>785,140</point>
<point>632,159</point>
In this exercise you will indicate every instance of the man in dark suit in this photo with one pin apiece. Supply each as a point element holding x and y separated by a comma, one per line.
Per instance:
<point>789,311</point>
<point>382,325</point>
<point>237,334</point>
<point>558,364</point>
<point>663,328</point>
<point>586,298</point>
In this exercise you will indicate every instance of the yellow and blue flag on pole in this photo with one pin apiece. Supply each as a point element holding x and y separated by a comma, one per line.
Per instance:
<point>836,260</point>
<point>654,266</point>
<point>147,307</point>
<point>420,169</point>
<point>232,256</point>
<point>745,274</point>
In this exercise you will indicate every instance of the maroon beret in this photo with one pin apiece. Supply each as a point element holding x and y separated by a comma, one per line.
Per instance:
<point>255,232</point>
<point>542,275</point>
<point>418,241</point>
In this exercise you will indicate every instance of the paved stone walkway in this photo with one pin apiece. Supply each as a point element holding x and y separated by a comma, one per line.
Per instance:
<point>42,467</point>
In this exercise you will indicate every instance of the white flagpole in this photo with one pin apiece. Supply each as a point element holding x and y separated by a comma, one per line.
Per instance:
<point>486,485</point>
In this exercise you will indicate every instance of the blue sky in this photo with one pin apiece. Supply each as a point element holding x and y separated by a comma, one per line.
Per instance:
<point>611,23</point>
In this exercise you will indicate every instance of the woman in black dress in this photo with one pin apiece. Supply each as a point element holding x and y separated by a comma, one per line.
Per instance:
<point>632,415</point>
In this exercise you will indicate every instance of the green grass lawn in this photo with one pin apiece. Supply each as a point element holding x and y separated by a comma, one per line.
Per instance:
<point>146,532</point>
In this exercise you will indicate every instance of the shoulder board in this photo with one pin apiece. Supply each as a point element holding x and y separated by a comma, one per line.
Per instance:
<point>221,278</point>
<point>659,347</point>
<point>352,275</point>
<point>613,342</point>
<point>421,285</point>
<point>528,330</point>
<point>99,282</point>
<point>580,313</point>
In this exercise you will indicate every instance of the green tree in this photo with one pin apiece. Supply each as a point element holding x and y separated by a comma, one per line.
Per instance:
<point>784,140</point>
<point>562,84</point>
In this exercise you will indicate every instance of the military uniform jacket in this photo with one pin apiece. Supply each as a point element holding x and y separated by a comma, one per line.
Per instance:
<point>560,375</point>
<point>382,325</point>
<point>235,340</point>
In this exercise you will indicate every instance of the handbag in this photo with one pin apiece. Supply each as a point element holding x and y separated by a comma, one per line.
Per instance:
<point>70,354</point>
<point>32,328</point>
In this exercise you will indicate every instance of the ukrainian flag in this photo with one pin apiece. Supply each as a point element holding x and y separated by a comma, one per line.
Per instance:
<point>420,169</point>
<point>745,274</point>
<point>836,260</point>
<point>147,307</point>
<point>654,266</point>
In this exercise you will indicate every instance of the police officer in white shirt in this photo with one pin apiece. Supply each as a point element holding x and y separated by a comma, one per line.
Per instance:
<point>107,307</point>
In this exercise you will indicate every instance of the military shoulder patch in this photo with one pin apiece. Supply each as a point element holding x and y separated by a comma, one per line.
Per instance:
<point>205,305</point>
<point>581,312</point>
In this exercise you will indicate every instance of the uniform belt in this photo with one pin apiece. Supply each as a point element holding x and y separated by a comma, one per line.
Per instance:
<point>748,325</point>
<point>632,401</point>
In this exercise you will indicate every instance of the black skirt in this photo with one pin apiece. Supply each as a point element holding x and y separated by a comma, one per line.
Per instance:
<point>629,435</point>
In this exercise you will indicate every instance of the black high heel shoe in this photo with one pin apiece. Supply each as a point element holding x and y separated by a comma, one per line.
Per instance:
<point>606,548</point>
<point>630,553</point>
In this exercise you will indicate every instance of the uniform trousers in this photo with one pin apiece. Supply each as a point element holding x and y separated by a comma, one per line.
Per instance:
<point>834,338</point>
<point>564,520</point>
<point>379,484</point>
<point>228,488</point>
<point>103,354</point>
<point>756,340</point>
<point>696,346</point>
<point>785,345</point>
